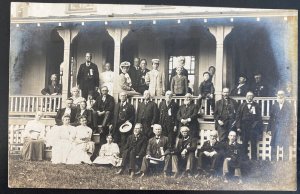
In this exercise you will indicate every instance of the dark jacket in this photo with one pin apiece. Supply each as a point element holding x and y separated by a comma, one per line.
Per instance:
<point>50,89</point>
<point>147,113</point>
<point>281,123</point>
<point>154,149</point>
<point>207,147</point>
<point>220,111</point>
<point>260,89</point>
<point>235,152</point>
<point>205,88</point>
<point>135,76</point>
<point>61,112</point>
<point>122,114</point>
<point>179,85</point>
<point>184,72</point>
<point>139,145</point>
<point>190,111</point>
<point>107,105</point>
<point>190,144</point>
<point>164,118</point>
<point>85,79</point>
<point>242,91</point>
<point>87,114</point>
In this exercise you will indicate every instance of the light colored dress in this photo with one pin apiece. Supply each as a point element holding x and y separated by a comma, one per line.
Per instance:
<point>108,155</point>
<point>81,146</point>
<point>34,144</point>
<point>61,140</point>
<point>107,79</point>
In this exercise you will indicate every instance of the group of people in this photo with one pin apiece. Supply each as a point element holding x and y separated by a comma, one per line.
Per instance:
<point>164,135</point>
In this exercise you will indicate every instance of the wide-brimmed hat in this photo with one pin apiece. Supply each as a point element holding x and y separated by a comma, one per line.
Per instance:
<point>125,127</point>
<point>125,64</point>
<point>155,60</point>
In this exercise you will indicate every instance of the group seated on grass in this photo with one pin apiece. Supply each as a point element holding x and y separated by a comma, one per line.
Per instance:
<point>73,145</point>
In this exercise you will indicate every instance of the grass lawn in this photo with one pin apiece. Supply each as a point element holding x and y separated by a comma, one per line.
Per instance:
<point>26,174</point>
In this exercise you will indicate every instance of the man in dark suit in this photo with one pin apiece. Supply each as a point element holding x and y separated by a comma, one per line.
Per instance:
<point>82,111</point>
<point>234,155</point>
<point>210,154</point>
<point>249,124</point>
<point>88,76</point>
<point>68,110</point>
<point>259,88</point>
<point>103,111</point>
<point>134,150</point>
<point>187,116</point>
<point>280,125</point>
<point>157,148</point>
<point>53,88</point>
<point>181,63</point>
<point>225,112</point>
<point>147,114</point>
<point>142,72</point>
<point>168,109</point>
<point>183,154</point>
<point>124,111</point>
<point>242,88</point>
<point>134,73</point>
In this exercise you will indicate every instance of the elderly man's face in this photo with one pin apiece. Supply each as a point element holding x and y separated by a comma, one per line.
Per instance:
<point>69,103</point>
<point>155,66</point>
<point>123,97</point>
<point>242,80</point>
<point>225,93</point>
<point>137,129</point>
<point>157,130</point>
<point>213,137</point>
<point>232,136</point>
<point>124,69</point>
<point>168,95</point>
<point>143,64</point>
<point>146,95</point>
<point>280,96</point>
<point>184,133</point>
<point>88,57</point>
<point>53,78</point>
<point>249,96</point>
<point>82,105</point>
<point>187,99</point>
<point>257,78</point>
<point>104,91</point>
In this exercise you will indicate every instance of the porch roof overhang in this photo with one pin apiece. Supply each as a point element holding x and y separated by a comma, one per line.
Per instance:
<point>161,16</point>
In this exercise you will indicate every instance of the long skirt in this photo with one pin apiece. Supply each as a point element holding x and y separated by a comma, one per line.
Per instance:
<point>115,161</point>
<point>79,153</point>
<point>60,151</point>
<point>33,149</point>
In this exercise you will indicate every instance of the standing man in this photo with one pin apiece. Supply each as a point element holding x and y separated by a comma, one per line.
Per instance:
<point>143,71</point>
<point>103,112</point>
<point>280,125</point>
<point>134,73</point>
<point>225,112</point>
<point>187,116</point>
<point>88,76</point>
<point>147,114</point>
<point>242,88</point>
<point>168,117</point>
<point>156,80</point>
<point>259,88</point>
<point>124,111</point>
<point>249,124</point>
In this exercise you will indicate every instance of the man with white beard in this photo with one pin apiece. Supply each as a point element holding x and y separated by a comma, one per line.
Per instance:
<point>280,125</point>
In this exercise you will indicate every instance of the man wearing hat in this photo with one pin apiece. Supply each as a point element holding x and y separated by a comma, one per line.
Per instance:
<point>156,151</point>
<point>242,88</point>
<point>258,87</point>
<point>134,150</point>
<point>156,80</point>
<point>88,76</point>
<point>147,114</point>
<point>125,82</point>
<point>180,64</point>
<point>124,112</point>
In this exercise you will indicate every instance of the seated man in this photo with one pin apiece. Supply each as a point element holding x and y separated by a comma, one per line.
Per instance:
<point>134,150</point>
<point>183,155</point>
<point>157,150</point>
<point>83,111</point>
<point>68,110</point>
<point>53,88</point>
<point>233,154</point>
<point>210,154</point>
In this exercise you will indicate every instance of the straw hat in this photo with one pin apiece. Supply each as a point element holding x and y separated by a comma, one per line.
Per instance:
<point>125,127</point>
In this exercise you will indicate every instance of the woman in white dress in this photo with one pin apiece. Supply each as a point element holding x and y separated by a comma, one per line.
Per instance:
<point>34,135</point>
<point>82,144</point>
<point>107,78</point>
<point>61,138</point>
<point>109,153</point>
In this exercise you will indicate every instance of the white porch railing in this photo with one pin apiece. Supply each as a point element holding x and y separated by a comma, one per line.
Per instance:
<point>28,105</point>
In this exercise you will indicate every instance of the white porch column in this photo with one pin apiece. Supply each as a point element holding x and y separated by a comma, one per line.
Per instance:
<point>118,34</point>
<point>220,33</point>
<point>67,35</point>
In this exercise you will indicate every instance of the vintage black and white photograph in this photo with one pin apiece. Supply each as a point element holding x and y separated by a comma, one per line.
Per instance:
<point>152,97</point>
